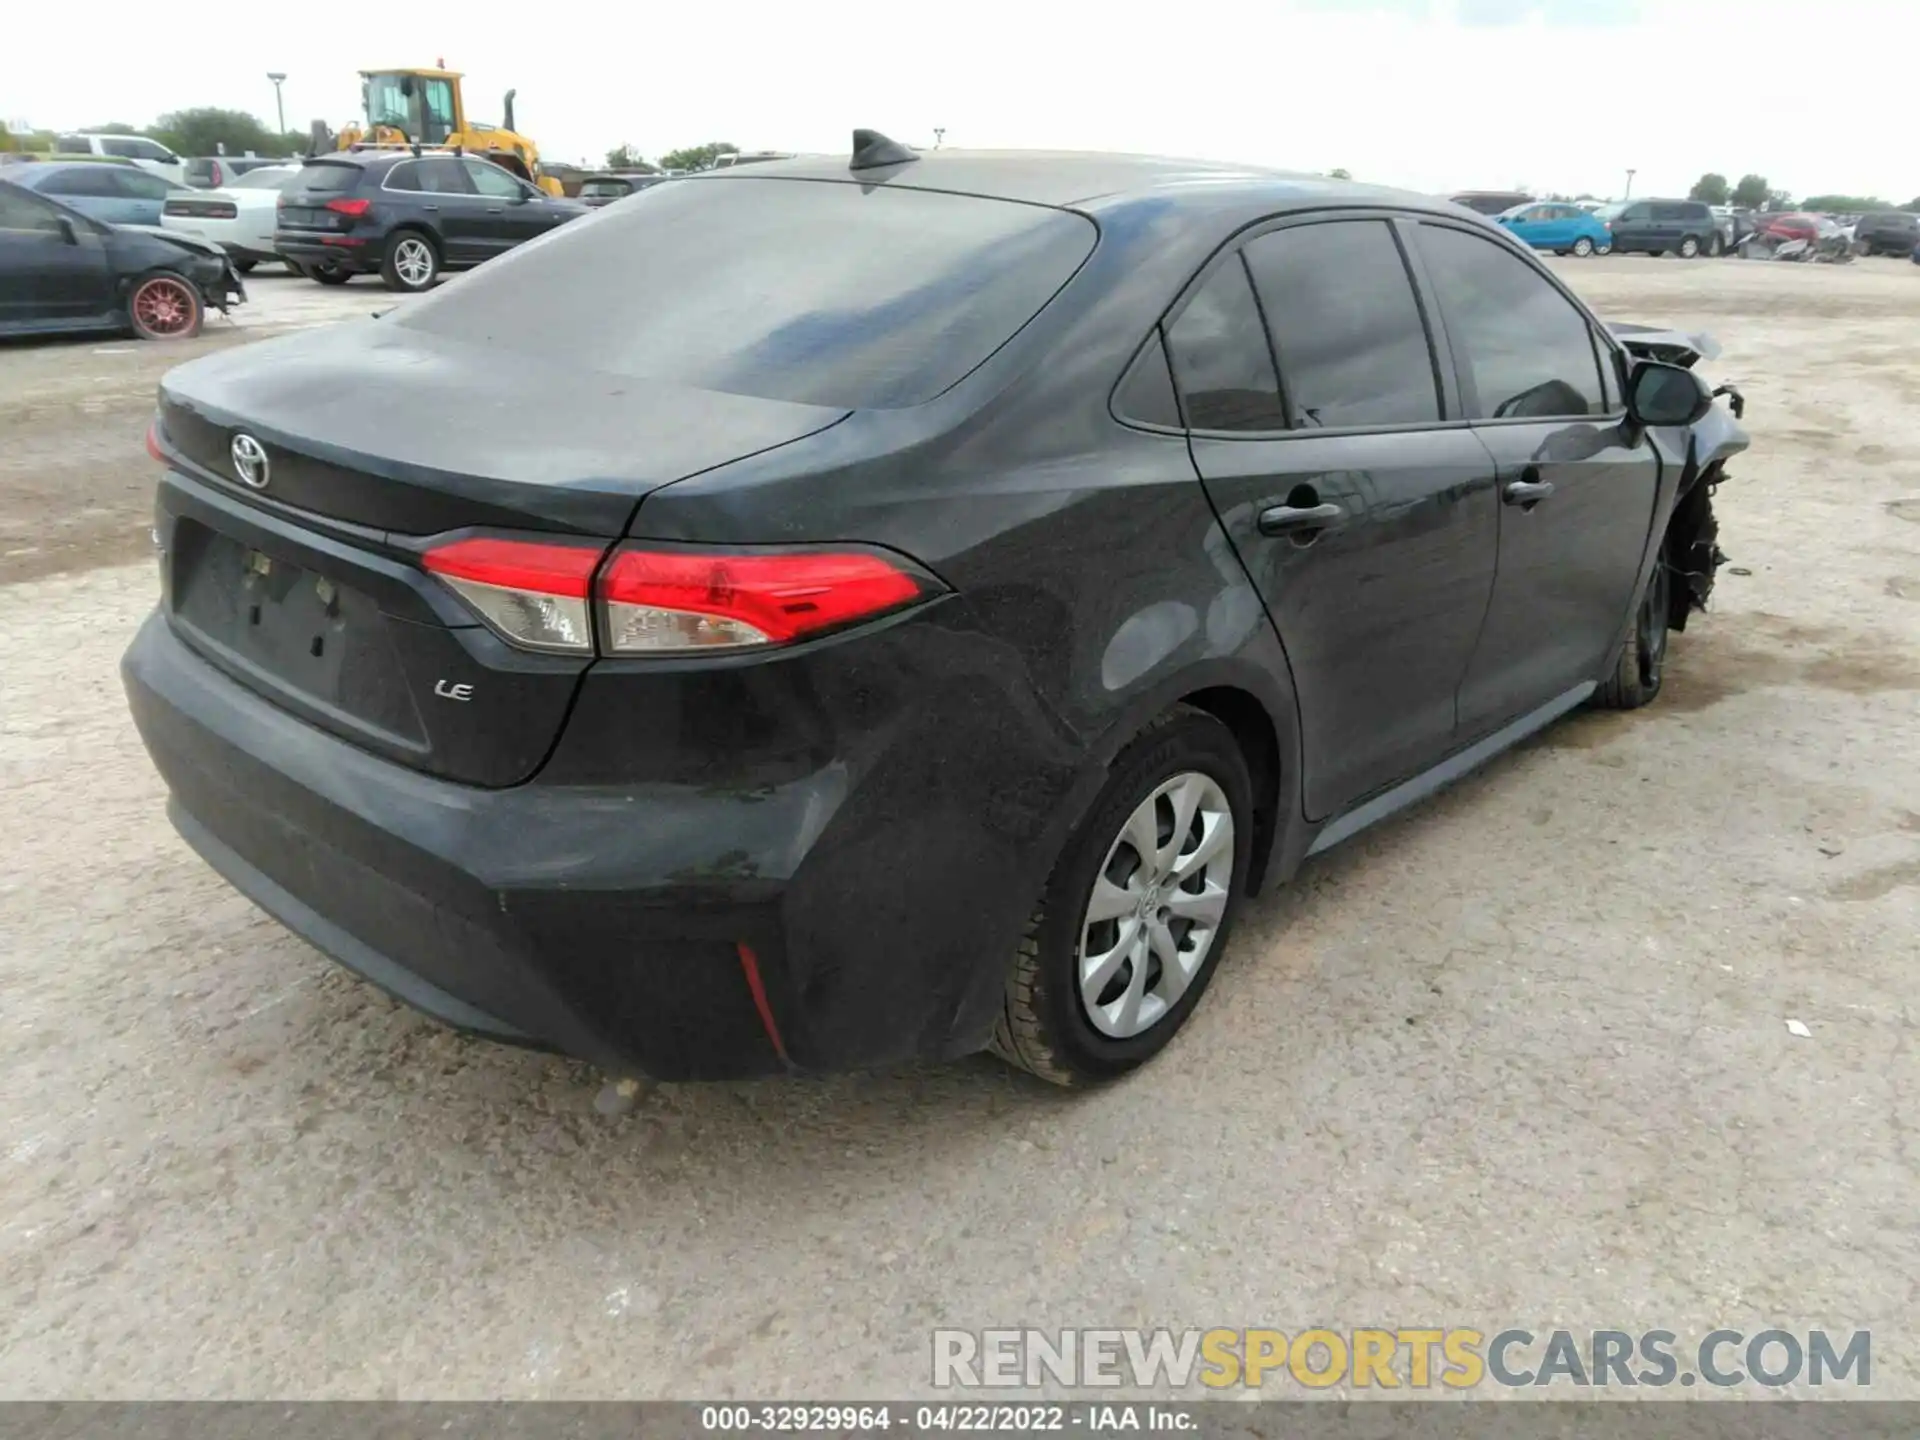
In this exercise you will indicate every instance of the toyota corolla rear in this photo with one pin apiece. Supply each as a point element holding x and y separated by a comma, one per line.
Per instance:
<point>448,677</point>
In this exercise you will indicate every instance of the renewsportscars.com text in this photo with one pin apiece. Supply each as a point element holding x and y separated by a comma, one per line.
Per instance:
<point>1417,1358</point>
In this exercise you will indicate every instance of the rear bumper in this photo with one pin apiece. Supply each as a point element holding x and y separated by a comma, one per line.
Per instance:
<point>606,922</point>
<point>310,249</point>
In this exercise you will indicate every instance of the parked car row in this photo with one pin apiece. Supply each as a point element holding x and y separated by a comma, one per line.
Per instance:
<point>1687,228</point>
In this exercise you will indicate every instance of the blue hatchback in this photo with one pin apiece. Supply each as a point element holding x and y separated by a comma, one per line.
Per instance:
<point>117,194</point>
<point>1563,229</point>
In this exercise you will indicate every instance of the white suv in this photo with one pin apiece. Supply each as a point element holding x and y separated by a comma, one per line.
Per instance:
<point>147,154</point>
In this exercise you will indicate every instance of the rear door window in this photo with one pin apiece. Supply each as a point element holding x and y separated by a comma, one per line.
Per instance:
<point>95,180</point>
<point>1222,363</point>
<point>843,295</point>
<point>1347,330</point>
<point>442,176</point>
<point>1527,350</point>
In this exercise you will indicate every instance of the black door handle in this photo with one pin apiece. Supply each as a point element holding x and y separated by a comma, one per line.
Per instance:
<point>1290,519</point>
<point>1527,493</point>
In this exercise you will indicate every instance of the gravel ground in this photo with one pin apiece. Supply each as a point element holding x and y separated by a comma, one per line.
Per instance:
<point>1518,1057</point>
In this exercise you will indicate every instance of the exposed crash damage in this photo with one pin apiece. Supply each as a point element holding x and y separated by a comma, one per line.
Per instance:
<point>1692,552</point>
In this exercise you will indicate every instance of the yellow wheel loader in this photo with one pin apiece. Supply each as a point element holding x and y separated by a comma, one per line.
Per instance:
<point>425,108</point>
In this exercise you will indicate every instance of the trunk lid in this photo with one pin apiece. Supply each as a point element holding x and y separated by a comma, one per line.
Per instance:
<point>389,428</point>
<point>309,588</point>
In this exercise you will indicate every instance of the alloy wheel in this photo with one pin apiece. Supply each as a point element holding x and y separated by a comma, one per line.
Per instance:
<point>1157,904</point>
<point>413,261</point>
<point>164,307</point>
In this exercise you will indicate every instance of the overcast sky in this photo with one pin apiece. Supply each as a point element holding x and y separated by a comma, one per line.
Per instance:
<point>1430,94</point>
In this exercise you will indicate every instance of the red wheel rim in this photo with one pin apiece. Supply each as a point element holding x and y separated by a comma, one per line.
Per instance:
<point>164,306</point>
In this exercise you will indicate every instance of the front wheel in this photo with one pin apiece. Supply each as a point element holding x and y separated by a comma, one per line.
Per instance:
<point>165,306</point>
<point>1583,247</point>
<point>1637,678</point>
<point>245,267</point>
<point>1137,912</point>
<point>1689,248</point>
<point>410,264</point>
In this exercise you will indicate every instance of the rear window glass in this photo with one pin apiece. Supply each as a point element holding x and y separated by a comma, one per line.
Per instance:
<point>604,187</point>
<point>327,179</point>
<point>819,292</point>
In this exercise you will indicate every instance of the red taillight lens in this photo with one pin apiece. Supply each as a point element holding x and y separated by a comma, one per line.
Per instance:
<point>532,593</point>
<point>659,602</point>
<point>540,594</point>
<point>351,208</point>
<point>153,442</point>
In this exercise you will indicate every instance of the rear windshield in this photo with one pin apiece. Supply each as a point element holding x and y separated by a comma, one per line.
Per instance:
<point>819,292</point>
<point>604,187</point>
<point>326,179</point>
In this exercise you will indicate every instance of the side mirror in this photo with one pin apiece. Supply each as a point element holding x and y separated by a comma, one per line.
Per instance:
<point>1661,394</point>
<point>67,233</point>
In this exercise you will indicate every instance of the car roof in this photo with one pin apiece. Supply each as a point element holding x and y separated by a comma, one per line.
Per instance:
<point>1089,180</point>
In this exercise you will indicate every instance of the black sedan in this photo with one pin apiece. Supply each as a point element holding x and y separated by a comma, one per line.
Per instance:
<point>598,190</point>
<point>407,217</point>
<point>836,612</point>
<point>61,271</point>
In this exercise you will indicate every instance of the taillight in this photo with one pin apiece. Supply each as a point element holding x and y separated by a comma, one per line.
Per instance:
<point>532,593</point>
<point>660,602</point>
<point>353,209</point>
<point>153,442</point>
<point>540,595</point>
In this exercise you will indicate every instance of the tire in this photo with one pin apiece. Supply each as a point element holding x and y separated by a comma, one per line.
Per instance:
<point>1604,250</point>
<point>1716,247</point>
<point>1046,1025</point>
<point>328,274</point>
<point>294,267</point>
<point>1583,247</point>
<point>1689,248</point>
<point>1643,661</point>
<point>165,306</point>
<point>410,263</point>
<point>245,267</point>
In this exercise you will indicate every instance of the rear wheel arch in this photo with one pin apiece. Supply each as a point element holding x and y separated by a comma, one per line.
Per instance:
<point>1259,741</point>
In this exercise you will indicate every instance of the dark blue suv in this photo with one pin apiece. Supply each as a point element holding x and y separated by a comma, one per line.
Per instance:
<point>407,216</point>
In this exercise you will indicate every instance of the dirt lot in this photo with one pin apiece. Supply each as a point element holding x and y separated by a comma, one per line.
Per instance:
<point>1520,1057</point>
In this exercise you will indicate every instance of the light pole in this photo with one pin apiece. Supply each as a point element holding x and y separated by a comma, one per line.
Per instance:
<point>276,76</point>
<point>939,134</point>
<point>1630,175</point>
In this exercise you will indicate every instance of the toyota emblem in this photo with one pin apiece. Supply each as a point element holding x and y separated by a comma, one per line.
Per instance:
<point>250,461</point>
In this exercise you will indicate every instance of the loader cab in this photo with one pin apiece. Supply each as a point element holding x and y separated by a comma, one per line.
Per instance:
<point>423,104</point>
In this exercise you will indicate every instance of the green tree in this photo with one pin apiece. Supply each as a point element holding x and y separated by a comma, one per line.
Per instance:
<point>1339,174</point>
<point>1710,188</point>
<point>112,127</point>
<point>1913,205</point>
<point>1843,204</point>
<point>205,130</point>
<point>697,157</point>
<point>1778,200</point>
<point>6,138</point>
<point>1752,192</point>
<point>625,157</point>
